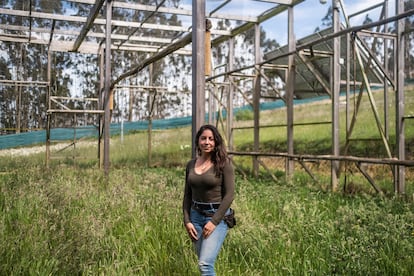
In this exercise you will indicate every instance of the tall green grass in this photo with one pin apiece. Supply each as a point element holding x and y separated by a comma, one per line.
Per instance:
<point>314,139</point>
<point>75,221</point>
<point>72,220</point>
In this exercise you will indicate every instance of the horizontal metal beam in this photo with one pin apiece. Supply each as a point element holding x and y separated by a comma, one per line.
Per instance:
<point>316,41</point>
<point>164,52</point>
<point>341,33</point>
<point>89,23</point>
<point>383,161</point>
<point>82,19</point>
<point>149,39</point>
<point>184,12</point>
<point>261,18</point>
<point>143,87</point>
<point>74,98</point>
<point>23,83</point>
<point>281,2</point>
<point>89,47</point>
<point>75,111</point>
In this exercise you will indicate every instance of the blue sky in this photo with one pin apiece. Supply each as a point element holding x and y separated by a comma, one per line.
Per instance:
<point>308,14</point>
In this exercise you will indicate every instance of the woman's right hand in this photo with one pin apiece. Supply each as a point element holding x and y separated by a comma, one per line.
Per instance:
<point>191,231</point>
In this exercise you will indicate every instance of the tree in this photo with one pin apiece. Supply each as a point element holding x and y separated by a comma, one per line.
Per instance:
<point>24,106</point>
<point>326,20</point>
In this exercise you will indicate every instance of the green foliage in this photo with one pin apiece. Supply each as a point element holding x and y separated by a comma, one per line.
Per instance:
<point>69,221</point>
<point>73,220</point>
<point>243,115</point>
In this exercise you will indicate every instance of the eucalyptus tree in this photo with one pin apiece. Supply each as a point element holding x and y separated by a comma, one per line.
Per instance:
<point>244,55</point>
<point>23,105</point>
<point>162,73</point>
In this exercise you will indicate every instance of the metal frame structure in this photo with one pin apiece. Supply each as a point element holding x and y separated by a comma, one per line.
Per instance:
<point>331,45</point>
<point>298,60</point>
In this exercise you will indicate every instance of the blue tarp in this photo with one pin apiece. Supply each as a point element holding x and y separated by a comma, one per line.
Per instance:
<point>39,137</point>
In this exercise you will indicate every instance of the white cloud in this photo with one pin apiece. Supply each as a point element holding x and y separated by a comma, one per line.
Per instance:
<point>308,16</point>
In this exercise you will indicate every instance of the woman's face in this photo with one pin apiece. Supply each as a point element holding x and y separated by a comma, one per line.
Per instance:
<point>206,142</point>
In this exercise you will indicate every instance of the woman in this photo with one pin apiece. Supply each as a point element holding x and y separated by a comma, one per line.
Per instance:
<point>208,194</point>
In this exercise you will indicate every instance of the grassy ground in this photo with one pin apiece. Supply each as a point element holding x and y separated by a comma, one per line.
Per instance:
<point>75,221</point>
<point>72,220</point>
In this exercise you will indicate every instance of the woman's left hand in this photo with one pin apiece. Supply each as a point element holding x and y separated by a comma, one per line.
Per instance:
<point>208,229</point>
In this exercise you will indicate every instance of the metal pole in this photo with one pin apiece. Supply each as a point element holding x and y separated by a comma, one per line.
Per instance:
<point>400,133</point>
<point>289,94</point>
<point>151,102</point>
<point>198,67</point>
<point>210,103</point>
<point>48,116</point>
<point>386,45</point>
<point>256,98</point>
<point>101,100</point>
<point>348,86</point>
<point>107,118</point>
<point>335,87</point>
<point>230,96</point>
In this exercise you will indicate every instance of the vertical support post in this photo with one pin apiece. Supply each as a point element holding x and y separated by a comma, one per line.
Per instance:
<point>256,98</point>
<point>290,89</point>
<point>107,116</point>
<point>207,49</point>
<point>151,102</point>
<point>18,92</point>
<point>386,67</point>
<point>101,100</point>
<point>48,116</point>
<point>75,119</point>
<point>198,67</point>
<point>210,103</point>
<point>348,86</point>
<point>399,101</point>
<point>207,71</point>
<point>230,96</point>
<point>335,87</point>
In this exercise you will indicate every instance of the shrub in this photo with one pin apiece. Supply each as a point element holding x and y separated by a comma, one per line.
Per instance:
<point>244,115</point>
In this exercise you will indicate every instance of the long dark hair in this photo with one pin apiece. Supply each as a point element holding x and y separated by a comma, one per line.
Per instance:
<point>219,156</point>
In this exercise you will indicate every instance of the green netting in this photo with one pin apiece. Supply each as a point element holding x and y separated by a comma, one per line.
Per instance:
<point>64,134</point>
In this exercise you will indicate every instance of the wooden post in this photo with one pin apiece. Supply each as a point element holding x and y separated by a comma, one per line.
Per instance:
<point>386,67</point>
<point>335,87</point>
<point>49,116</point>
<point>198,67</point>
<point>101,100</point>
<point>399,101</point>
<point>207,69</point>
<point>151,102</point>
<point>290,89</point>
<point>256,98</point>
<point>107,116</point>
<point>230,96</point>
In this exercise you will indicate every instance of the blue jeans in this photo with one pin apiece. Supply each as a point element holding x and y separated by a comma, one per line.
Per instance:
<point>207,249</point>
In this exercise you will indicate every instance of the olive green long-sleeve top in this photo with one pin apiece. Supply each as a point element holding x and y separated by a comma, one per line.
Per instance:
<point>208,188</point>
